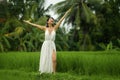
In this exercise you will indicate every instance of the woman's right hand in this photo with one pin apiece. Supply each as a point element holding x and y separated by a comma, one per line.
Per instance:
<point>26,21</point>
<point>69,9</point>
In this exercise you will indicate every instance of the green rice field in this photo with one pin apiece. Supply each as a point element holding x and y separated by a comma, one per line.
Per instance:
<point>92,65</point>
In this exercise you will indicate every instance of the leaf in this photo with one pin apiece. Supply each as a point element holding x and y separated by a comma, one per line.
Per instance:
<point>6,42</point>
<point>102,45</point>
<point>19,30</point>
<point>1,47</point>
<point>24,47</point>
<point>86,12</point>
<point>77,20</point>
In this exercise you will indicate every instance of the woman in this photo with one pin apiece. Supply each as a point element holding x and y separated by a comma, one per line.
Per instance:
<point>48,50</point>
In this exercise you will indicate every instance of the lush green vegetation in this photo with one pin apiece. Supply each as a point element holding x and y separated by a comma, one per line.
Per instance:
<point>22,75</point>
<point>95,27</point>
<point>70,65</point>
<point>89,63</point>
<point>94,23</point>
<point>90,31</point>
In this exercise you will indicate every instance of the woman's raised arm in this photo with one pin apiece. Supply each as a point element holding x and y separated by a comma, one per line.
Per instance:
<point>36,25</point>
<point>59,22</point>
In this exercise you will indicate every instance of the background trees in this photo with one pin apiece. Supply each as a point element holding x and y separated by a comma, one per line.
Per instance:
<point>109,16</point>
<point>13,27</point>
<point>83,20</point>
<point>95,25</point>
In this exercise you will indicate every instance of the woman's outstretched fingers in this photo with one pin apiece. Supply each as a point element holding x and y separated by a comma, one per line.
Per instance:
<point>26,21</point>
<point>70,9</point>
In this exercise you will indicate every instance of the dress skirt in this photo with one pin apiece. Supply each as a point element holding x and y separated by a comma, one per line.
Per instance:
<point>46,65</point>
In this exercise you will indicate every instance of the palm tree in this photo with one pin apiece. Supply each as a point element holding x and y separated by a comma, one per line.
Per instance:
<point>61,40</point>
<point>14,12</point>
<point>81,17</point>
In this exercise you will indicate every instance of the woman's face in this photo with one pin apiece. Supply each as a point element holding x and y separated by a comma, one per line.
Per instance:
<point>51,21</point>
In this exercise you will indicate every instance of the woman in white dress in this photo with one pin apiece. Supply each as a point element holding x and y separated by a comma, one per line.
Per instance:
<point>48,49</point>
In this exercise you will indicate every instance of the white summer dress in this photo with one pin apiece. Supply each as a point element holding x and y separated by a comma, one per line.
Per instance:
<point>48,46</point>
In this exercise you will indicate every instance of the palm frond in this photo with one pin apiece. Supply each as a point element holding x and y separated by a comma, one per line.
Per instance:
<point>77,21</point>
<point>6,42</point>
<point>87,15</point>
<point>1,47</point>
<point>95,1</point>
<point>91,15</point>
<point>19,30</point>
<point>33,9</point>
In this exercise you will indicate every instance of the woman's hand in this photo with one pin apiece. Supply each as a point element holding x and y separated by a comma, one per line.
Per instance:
<point>26,21</point>
<point>69,10</point>
<point>59,22</point>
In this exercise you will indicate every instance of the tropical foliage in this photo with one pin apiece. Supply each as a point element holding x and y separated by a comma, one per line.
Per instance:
<point>82,19</point>
<point>95,25</point>
<point>14,33</point>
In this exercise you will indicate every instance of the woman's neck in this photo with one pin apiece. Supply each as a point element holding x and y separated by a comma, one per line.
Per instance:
<point>50,25</point>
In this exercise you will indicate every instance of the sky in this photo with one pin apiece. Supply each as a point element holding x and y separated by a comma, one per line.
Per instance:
<point>48,2</point>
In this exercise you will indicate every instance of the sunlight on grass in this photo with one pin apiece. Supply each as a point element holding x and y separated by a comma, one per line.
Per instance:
<point>70,66</point>
<point>21,75</point>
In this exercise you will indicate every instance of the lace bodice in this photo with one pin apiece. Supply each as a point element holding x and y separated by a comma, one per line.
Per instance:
<point>50,35</point>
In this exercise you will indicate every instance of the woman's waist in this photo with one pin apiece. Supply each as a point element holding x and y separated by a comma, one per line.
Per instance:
<point>49,40</point>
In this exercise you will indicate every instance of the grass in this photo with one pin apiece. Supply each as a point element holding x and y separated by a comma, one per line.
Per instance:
<point>26,61</point>
<point>22,75</point>
<point>88,63</point>
<point>100,65</point>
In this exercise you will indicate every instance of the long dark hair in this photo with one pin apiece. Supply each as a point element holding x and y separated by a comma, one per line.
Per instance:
<point>47,21</point>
